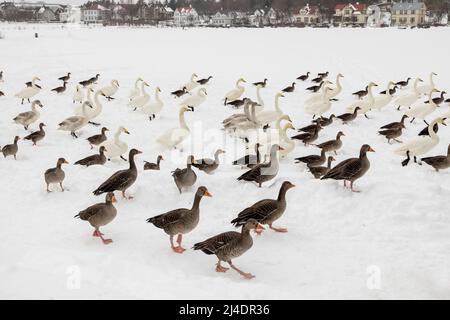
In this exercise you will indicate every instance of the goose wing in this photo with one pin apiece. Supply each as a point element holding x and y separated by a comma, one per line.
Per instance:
<point>259,211</point>
<point>220,241</point>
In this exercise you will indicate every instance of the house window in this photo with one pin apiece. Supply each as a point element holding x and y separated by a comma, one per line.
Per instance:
<point>413,20</point>
<point>347,12</point>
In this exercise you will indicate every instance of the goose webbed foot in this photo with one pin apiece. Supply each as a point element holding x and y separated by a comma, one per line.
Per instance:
<point>220,268</point>
<point>246,275</point>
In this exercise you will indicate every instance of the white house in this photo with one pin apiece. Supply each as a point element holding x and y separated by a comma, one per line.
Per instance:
<point>94,13</point>
<point>221,19</point>
<point>186,16</point>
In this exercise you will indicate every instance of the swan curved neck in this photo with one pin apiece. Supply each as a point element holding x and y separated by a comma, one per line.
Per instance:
<point>183,124</point>
<point>258,96</point>
<point>96,99</point>
<point>433,134</point>
<point>277,106</point>
<point>144,93</point>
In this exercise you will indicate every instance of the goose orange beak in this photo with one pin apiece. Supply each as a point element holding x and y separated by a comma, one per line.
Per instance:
<point>65,161</point>
<point>371,150</point>
<point>260,227</point>
<point>207,194</point>
<point>114,200</point>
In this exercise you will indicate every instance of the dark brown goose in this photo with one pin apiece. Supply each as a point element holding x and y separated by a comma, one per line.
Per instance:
<point>37,135</point>
<point>11,149</point>
<point>1,76</point>
<point>95,159</point>
<point>208,165</point>
<point>448,100</point>
<point>97,139</point>
<point>153,166</point>
<point>332,145</point>
<point>180,221</point>
<point>228,246</point>
<point>315,88</point>
<point>361,93</point>
<point>65,78</point>
<point>291,88</point>
<point>313,160</point>
<point>266,211</point>
<point>304,77</point>
<point>90,81</point>
<point>99,215</point>
<point>323,121</point>
<point>237,103</point>
<point>308,137</point>
<point>392,134</point>
<point>265,171</point>
<point>396,125</point>
<point>55,175</point>
<point>1,93</point>
<point>323,74</point>
<point>60,89</point>
<point>319,171</point>
<point>249,160</point>
<point>185,178</point>
<point>403,84</point>
<point>204,81</point>
<point>439,162</point>
<point>438,100</point>
<point>261,84</point>
<point>122,179</point>
<point>179,93</point>
<point>392,91</point>
<point>348,117</point>
<point>351,169</point>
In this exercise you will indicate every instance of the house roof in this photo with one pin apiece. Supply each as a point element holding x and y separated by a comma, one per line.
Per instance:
<point>408,6</point>
<point>185,9</point>
<point>354,6</point>
<point>94,7</point>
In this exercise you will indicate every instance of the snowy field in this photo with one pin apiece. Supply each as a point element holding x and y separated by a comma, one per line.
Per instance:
<point>392,240</point>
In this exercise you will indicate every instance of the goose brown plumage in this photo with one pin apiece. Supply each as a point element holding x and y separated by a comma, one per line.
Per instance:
<point>97,139</point>
<point>332,145</point>
<point>439,162</point>
<point>36,135</point>
<point>249,160</point>
<point>392,134</point>
<point>208,165</point>
<point>308,137</point>
<point>320,171</point>
<point>95,159</point>
<point>313,160</point>
<point>261,84</point>
<point>65,78</point>
<point>185,178</point>
<point>179,93</point>
<point>153,166</point>
<point>361,93</point>
<point>403,84</point>
<point>348,117</point>
<point>396,125</point>
<point>290,88</point>
<point>60,89</point>
<point>11,149</point>
<point>304,77</point>
<point>237,103</point>
<point>55,175</point>
<point>204,81</point>
<point>316,88</point>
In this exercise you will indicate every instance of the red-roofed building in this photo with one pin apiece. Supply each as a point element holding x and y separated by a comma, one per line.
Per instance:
<point>186,16</point>
<point>350,13</point>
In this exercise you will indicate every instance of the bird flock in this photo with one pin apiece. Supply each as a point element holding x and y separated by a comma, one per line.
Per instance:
<point>252,122</point>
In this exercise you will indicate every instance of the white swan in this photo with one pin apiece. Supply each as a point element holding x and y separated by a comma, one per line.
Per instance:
<point>365,104</point>
<point>318,96</point>
<point>406,100</point>
<point>29,117</point>
<point>116,147</point>
<point>268,116</point>
<point>197,99</point>
<point>192,84</point>
<point>75,123</point>
<point>426,88</point>
<point>383,100</point>
<point>110,90</point>
<point>78,95</point>
<point>243,124</point>
<point>29,92</point>
<point>279,136</point>
<point>96,109</point>
<point>135,92</point>
<point>173,137</point>
<point>334,92</point>
<point>140,101</point>
<point>422,110</point>
<point>320,107</point>
<point>286,142</point>
<point>260,101</point>
<point>153,108</point>
<point>236,93</point>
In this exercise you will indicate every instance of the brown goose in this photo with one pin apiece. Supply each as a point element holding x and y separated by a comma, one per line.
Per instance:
<point>323,121</point>
<point>180,221</point>
<point>403,84</point>
<point>290,88</point>
<point>392,91</point>
<point>319,171</point>
<point>208,165</point>
<point>237,103</point>
<point>308,137</point>
<point>438,100</point>
<point>229,245</point>
<point>153,166</point>
<point>266,211</point>
<point>315,88</point>
<point>97,139</point>
<point>448,100</point>
<point>361,93</point>
<point>99,215</point>
<point>351,169</point>
<point>304,77</point>
<point>65,78</point>
<point>95,159</point>
<point>1,93</point>
<point>11,149</point>
<point>265,171</point>
<point>348,117</point>
<point>439,162</point>
<point>204,81</point>
<point>249,160</point>
<point>261,84</point>
<point>313,160</point>
<point>37,135</point>
<point>55,175</point>
<point>392,134</point>
<point>60,89</point>
<point>332,145</point>
<point>396,125</point>
<point>179,93</point>
<point>323,74</point>
<point>185,178</point>
<point>122,179</point>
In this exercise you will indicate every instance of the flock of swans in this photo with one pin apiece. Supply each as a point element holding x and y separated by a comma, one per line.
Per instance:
<point>252,125</point>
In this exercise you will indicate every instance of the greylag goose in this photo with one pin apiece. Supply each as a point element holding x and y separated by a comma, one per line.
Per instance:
<point>351,169</point>
<point>90,81</point>
<point>304,77</point>
<point>266,211</point>
<point>29,117</point>
<point>290,88</point>
<point>313,160</point>
<point>180,221</point>
<point>237,103</point>
<point>448,100</point>
<point>396,125</point>
<point>11,149</point>
<point>261,84</point>
<point>319,171</point>
<point>204,81</point>
<point>392,134</point>
<point>265,171</point>
<point>316,88</point>
<point>323,121</point>
<point>348,117</point>
<point>361,93</point>
<point>75,123</point>
<point>185,178</point>
<point>403,84</point>
<point>122,179</point>
<point>438,100</point>
<point>60,89</point>
<point>98,139</point>
<point>37,135</point>
<point>55,175</point>
<point>95,159</point>
<point>439,162</point>
<point>179,93</point>
<point>332,145</point>
<point>323,74</point>
<point>65,78</point>
<point>99,215</point>
<point>153,166</point>
<point>392,91</point>
<point>208,165</point>
<point>249,160</point>
<point>2,93</point>
<point>229,245</point>
<point>308,137</point>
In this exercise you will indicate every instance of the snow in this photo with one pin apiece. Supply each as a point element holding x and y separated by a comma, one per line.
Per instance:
<point>389,241</point>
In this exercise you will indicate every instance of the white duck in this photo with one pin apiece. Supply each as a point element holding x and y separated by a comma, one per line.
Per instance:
<point>422,110</point>
<point>78,95</point>
<point>426,88</point>
<point>420,145</point>
<point>75,123</point>
<point>140,101</point>
<point>29,117</point>
<point>406,100</point>
<point>29,92</point>
<point>236,93</point>
<point>383,100</point>
<point>93,112</point>
<point>153,108</point>
<point>195,100</point>
<point>110,90</point>
<point>135,92</point>
<point>116,147</point>
<point>267,116</point>
<point>365,104</point>
<point>320,107</point>
<point>173,137</point>
<point>192,84</point>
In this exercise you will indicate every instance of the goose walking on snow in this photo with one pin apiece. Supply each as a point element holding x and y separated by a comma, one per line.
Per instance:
<point>36,135</point>
<point>55,175</point>
<point>75,123</point>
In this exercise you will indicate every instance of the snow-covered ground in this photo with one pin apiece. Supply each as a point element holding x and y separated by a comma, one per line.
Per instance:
<point>392,240</point>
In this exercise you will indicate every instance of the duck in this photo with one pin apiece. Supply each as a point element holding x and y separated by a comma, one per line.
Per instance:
<point>366,104</point>
<point>78,95</point>
<point>173,137</point>
<point>348,117</point>
<point>140,101</point>
<point>11,149</point>
<point>351,169</point>
<point>422,110</point>
<point>392,91</point>
<point>420,145</point>
<point>65,78</point>
<point>235,93</point>
<point>153,166</point>
<point>323,74</point>
<point>116,147</point>
<point>153,108</point>
<point>249,160</point>
<point>29,92</point>
<point>195,100</point>
<point>95,159</point>
<point>36,135</point>
<point>100,215</point>
<point>90,81</point>
<point>308,137</point>
<point>135,92</point>
<point>319,107</point>
<point>303,77</point>
<point>93,112</point>
<point>392,134</point>
<point>55,175</point>
<point>403,83</point>
<point>192,84</point>
<point>204,81</point>
<point>75,123</point>
<point>266,211</point>
<point>27,118</point>
<point>179,93</point>
<point>110,90</point>
<point>439,162</point>
<point>426,88</point>
<point>406,100</point>
<point>317,79</point>
<point>313,160</point>
<point>97,139</point>
<point>264,172</point>
<point>268,116</point>
<point>396,125</point>
<point>332,145</point>
<point>230,245</point>
<point>361,93</point>
<point>60,89</point>
<point>383,99</point>
<point>261,84</point>
<point>122,180</point>
<point>237,103</point>
<point>320,171</point>
<point>208,165</point>
<point>290,88</point>
<point>185,178</point>
<point>180,221</point>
